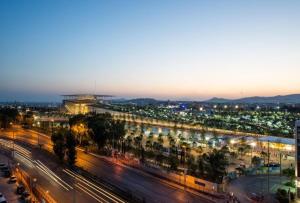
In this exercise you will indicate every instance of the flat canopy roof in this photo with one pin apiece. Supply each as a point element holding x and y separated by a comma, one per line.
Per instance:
<point>86,95</point>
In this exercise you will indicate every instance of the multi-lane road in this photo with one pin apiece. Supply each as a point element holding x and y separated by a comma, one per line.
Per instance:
<point>142,185</point>
<point>62,184</point>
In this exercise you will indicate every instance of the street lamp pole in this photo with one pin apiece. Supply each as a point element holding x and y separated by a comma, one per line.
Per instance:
<point>13,136</point>
<point>13,144</point>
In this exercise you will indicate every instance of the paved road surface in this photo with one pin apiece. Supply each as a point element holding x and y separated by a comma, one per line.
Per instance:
<point>60,182</point>
<point>143,185</point>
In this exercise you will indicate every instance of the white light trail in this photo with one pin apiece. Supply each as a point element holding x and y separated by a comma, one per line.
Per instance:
<point>107,194</point>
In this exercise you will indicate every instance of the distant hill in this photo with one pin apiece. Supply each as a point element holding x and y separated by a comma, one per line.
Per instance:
<point>287,99</point>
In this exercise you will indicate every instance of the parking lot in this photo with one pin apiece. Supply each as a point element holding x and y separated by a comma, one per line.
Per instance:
<point>245,186</point>
<point>7,188</point>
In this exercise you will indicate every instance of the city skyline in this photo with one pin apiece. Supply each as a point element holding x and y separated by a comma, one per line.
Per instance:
<point>167,50</point>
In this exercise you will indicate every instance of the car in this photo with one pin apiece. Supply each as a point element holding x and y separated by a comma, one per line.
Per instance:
<point>12,179</point>
<point>6,173</point>
<point>256,197</point>
<point>1,195</point>
<point>20,189</point>
<point>2,199</point>
<point>25,195</point>
<point>3,167</point>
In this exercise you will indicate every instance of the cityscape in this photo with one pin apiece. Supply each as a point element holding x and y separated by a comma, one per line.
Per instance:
<point>149,101</point>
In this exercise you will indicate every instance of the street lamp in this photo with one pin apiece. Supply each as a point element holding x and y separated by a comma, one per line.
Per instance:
<point>253,144</point>
<point>13,134</point>
<point>38,123</point>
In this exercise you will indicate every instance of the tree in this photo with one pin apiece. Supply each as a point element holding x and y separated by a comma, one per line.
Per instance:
<point>213,165</point>
<point>191,165</point>
<point>79,128</point>
<point>173,162</point>
<point>218,164</point>
<point>117,132</point>
<point>264,155</point>
<point>7,115</point>
<point>160,139</point>
<point>28,119</point>
<point>58,139</point>
<point>282,196</point>
<point>71,149</point>
<point>255,161</point>
<point>100,125</point>
<point>290,173</point>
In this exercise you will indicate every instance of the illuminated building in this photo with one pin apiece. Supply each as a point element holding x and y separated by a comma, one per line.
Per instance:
<point>81,103</point>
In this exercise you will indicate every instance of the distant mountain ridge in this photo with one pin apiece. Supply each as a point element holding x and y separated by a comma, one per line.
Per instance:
<point>138,101</point>
<point>288,99</point>
<point>283,99</point>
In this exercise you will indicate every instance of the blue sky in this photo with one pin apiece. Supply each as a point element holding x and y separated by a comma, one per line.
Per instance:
<point>163,49</point>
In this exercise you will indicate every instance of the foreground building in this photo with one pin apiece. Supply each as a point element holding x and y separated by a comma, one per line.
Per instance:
<point>297,158</point>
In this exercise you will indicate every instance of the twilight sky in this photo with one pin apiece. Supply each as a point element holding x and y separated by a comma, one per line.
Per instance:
<point>164,49</point>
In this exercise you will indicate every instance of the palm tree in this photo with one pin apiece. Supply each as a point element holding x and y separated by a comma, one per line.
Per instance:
<point>160,139</point>
<point>264,155</point>
<point>129,142</point>
<point>213,165</point>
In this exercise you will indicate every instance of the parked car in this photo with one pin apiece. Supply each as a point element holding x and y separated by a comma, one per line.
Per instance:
<point>2,199</point>
<point>20,189</point>
<point>12,179</point>
<point>3,167</point>
<point>25,196</point>
<point>6,173</point>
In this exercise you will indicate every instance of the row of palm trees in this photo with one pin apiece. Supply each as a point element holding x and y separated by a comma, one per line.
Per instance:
<point>175,153</point>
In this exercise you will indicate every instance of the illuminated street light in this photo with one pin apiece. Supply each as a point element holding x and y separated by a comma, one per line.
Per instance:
<point>236,106</point>
<point>225,106</point>
<point>289,148</point>
<point>253,144</point>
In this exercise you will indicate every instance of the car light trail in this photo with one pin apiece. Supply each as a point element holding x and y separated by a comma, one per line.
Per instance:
<point>52,175</point>
<point>107,194</point>
<point>24,159</point>
<point>91,193</point>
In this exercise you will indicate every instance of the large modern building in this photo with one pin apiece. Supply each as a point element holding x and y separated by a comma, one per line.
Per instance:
<point>297,158</point>
<point>81,103</point>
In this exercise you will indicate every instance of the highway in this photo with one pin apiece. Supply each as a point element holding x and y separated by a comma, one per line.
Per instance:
<point>62,184</point>
<point>142,185</point>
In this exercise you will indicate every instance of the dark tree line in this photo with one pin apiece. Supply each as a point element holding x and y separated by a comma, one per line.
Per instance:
<point>7,115</point>
<point>64,144</point>
<point>105,132</point>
